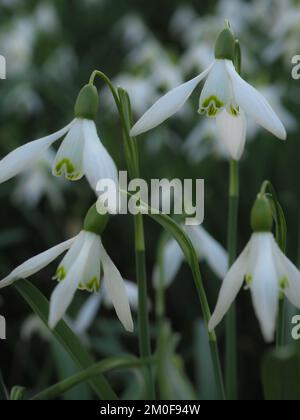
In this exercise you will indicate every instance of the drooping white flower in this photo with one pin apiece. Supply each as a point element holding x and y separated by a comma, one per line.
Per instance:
<point>81,152</point>
<point>206,247</point>
<point>79,269</point>
<point>225,96</point>
<point>267,271</point>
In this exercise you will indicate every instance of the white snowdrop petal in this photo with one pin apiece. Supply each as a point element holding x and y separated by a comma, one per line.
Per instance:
<point>132,293</point>
<point>116,290</point>
<point>69,157</point>
<point>209,249</point>
<point>63,293</point>
<point>264,285</point>
<point>24,156</point>
<point>289,275</point>
<point>87,313</point>
<point>167,105</point>
<point>91,275</point>
<point>230,287</point>
<point>254,104</point>
<point>231,132</point>
<point>98,163</point>
<point>35,264</point>
<point>217,91</point>
<point>172,260</point>
<point>70,257</point>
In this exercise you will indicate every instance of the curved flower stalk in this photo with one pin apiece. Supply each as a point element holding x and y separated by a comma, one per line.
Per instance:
<point>266,270</point>
<point>206,247</point>
<point>225,96</point>
<point>79,269</point>
<point>81,152</point>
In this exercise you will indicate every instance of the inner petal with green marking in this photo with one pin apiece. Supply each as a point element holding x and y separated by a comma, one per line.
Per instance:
<point>69,157</point>
<point>211,106</point>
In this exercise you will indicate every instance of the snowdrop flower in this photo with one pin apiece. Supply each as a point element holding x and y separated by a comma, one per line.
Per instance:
<point>225,96</point>
<point>81,152</point>
<point>206,247</point>
<point>266,270</point>
<point>79,269</point>
<point>37,182</point>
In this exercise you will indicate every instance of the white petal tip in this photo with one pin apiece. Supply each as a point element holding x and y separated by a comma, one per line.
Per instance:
<point>53,321</point>
<point>211,325</point>
<point>135,131</point>
<point>129,327</point>
<point>282,135</point>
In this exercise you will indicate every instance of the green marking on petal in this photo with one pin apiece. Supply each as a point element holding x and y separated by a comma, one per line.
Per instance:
<point>248,280</point>
<point>65,166</point>
<point>283,283</point>
<point>234,110</point>
<point>92,285</point>
<point>211,106</point>
<point>60,274</point>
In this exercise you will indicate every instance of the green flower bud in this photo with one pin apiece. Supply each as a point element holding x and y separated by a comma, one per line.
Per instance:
<point>225,45</point>
<point>95,222</point>
<point>87,102</point>
<point>261,215</point>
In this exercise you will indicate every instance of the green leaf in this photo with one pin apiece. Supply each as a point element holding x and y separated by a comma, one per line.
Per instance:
<point>281,375</point>
<point>66,367</point>
<point>3,390</point>
<point>17,393</point>
<point>204,369</point>
<point>172,379</point>
<point>64,336</point>
<point>125,362</point>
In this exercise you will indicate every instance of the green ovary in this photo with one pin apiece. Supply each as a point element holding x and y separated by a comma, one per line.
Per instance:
<point>211,106</point>
<point>67,167</point>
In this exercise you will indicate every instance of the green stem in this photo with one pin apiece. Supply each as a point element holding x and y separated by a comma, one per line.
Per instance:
<point>131,152</point>
<point>54,391</point>
<point>211,335</point>
<point>280,332</point>
<point>231,342</point>
<point>160,286</point>
<point>143,316</point>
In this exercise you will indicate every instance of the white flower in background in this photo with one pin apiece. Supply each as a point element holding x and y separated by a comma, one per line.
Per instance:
<point>45,17</point>
<point>79,269</point>
<point>22,99</point>
<point>267,272</point>
<point>85,317</point>
<point>201,142</point>
<point>225,96</point>
<point>89,310</point>
<point>16,43</point>
<point>207,249</point>
<point>37,182</point>
<point>81,152</point>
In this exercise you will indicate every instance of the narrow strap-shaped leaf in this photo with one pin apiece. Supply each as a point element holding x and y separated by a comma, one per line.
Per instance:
<point>125,362</point>
<point>3,391</point>
<point>40,305</point>
<point>281,375</point>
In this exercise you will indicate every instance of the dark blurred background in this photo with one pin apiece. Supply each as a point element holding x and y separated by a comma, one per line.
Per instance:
<point>51,47</point>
